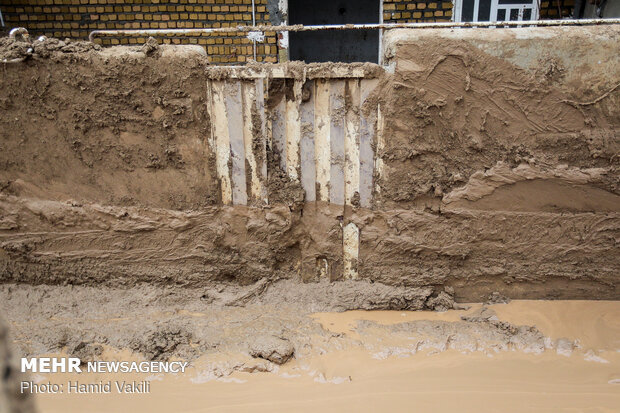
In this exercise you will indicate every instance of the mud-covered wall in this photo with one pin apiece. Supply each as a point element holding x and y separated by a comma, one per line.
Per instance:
<point>493,166</point>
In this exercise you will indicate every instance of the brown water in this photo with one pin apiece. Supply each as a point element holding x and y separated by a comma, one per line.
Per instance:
<point>351,379</point>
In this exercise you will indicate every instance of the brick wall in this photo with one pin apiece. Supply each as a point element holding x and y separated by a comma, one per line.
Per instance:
<point>549,9</point>
<point>76,18</point>
<point>412,11</point>
<point>399,11</point>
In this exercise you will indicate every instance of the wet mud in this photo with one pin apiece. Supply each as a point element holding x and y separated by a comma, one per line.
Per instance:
<point>490,175</point>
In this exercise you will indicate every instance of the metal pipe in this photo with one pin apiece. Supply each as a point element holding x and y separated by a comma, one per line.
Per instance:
<point>380,59</point>
<point>254,24</point>
<point>18,31</point>
<point>373,26</point>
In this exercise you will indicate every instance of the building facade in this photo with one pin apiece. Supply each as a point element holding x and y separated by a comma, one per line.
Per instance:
<point>75,19</point>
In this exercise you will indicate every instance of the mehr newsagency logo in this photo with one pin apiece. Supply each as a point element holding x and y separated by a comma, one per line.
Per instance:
<point>74,365</point>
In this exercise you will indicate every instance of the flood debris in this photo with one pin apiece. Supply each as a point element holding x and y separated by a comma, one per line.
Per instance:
<point>275,349</point>
<point>497,298</point>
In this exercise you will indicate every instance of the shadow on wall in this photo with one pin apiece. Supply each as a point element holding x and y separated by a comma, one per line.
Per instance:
<point>599,8</point>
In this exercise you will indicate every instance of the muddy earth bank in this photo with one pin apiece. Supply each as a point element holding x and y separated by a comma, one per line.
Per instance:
<point>491,174</point>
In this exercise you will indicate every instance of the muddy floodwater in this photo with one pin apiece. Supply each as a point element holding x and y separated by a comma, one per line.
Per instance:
<point>376,363</point>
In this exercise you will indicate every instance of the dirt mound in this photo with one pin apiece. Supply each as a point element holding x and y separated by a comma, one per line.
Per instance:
<point>18,50</point>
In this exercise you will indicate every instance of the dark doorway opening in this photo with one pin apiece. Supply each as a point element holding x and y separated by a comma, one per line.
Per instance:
<point>334,45</point>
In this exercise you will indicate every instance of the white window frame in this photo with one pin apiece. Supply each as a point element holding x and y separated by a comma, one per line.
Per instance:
<point>457,6</point>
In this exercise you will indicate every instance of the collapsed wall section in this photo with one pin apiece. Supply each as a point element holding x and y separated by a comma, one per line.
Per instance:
<point>483,164</point>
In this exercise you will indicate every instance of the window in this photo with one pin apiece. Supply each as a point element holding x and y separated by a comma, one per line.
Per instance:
<point>336,46</point>
<point>495,10</point>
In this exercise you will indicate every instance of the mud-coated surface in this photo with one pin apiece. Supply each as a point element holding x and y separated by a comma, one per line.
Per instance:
<point>562,354</point>
<point>491,175</point>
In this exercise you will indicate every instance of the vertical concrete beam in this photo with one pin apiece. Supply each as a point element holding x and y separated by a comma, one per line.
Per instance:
<point>350,249</point>
<point>352,142</point>
<point>367,136</point>
<point>234,109</point>
<point>220,140</point>
<point>293,130</point>
<point>337,128</point>
<point>322,143</point>
<point>306,145</point>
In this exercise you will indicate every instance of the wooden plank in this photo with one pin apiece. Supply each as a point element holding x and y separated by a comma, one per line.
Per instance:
<point>293,129</point>
<point>352,142</point>
<point>306,145</point>
<point>380,147</point>
<point>234,110</point>
<point>322,138</point>
<point>221,140</point>
<point>367,135</point>
<point>260,135</point>
<point>350,251</point>
<point>252,140</point>
<point>278,130</point>
<point>337,132</point>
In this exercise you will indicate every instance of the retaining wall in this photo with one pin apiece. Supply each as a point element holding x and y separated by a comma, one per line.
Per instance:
<point>476,162</point>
